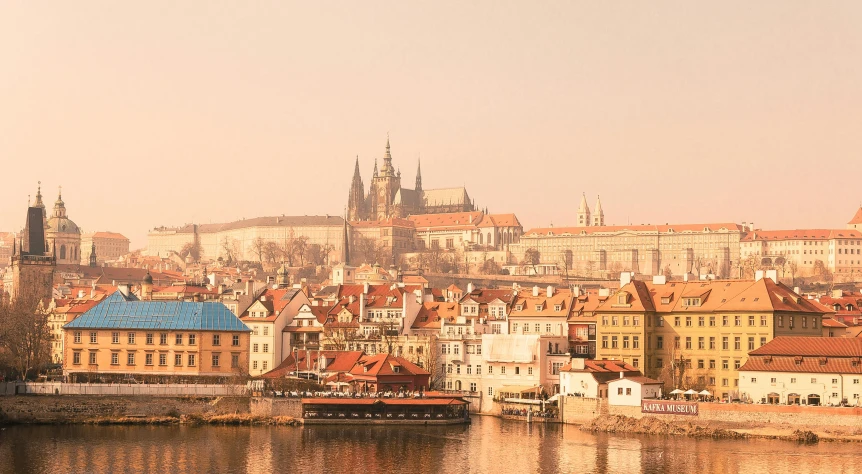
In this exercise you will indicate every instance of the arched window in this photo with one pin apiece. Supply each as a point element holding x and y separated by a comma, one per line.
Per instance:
<point>63,251</point>
<point>480,239</point>
<point>489,239</point>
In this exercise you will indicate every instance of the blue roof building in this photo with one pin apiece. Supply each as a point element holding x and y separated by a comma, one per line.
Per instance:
<point>127,312</point>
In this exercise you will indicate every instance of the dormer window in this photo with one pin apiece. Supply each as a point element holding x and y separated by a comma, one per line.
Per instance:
<point>538,307</point>
<point>558,307</point>
<point>396,369</point>
<point>691,302</point>
<point>519,307</point>
<point>621,299</point>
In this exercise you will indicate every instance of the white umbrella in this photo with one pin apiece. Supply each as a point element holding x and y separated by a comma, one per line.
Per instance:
<point>676,392</point>
<point>690,392</point>
<point>705,393</point>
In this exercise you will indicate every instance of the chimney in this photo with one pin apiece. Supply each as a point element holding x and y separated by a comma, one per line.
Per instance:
<point>351,299</point>
<point>772,275</point>
<point>625,278</point>
<point>365,288</point>
<point>550,291</point>
<point>622,375</point>
<point>249,287</point>
<point>470,287</point>
<point>758,275</point>
<point>659,279</point>
<point>535,291</point>
<point>125,289</point>
<point>578,363</point>
<point>263,298</point>
<point>80,294</point>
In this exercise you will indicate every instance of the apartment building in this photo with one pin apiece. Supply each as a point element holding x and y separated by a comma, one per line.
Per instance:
<point>267,317</point>
<point>805,252</point>
<point>122,337</point>
<point>698,334</point>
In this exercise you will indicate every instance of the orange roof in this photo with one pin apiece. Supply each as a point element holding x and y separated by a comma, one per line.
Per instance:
<point>652,229</point>
<point>801,234</point>
<point>109,235</point>
<point>447,220</point>
<point>431,313</point>
<point>394,222</point>
<point>384,364</point>
<point>561,298</point>
<point>500,220</point>
<point>857,219</point>
<point>811,347</point>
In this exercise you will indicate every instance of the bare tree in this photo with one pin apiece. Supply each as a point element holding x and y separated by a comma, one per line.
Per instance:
<point>428,357</point>
<point>191,248</point>
<point>230,250</point>
<point>532,258</point>
<point>25,337</point>
<point>792,267</point>
<point>258,247</point>
<point>668,274</point>
<point>272,252</point>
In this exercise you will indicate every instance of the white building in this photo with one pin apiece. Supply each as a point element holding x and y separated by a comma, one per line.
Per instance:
<point>267,317</point>
<point>589,378</point>
<point>804,371</point>
<point>629,391</point>
<point>518,366</point>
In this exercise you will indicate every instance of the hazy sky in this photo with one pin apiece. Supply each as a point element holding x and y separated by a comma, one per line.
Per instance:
<point>162,113</point>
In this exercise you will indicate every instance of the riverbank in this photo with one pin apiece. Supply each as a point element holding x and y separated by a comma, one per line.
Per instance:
<point>717,430</point>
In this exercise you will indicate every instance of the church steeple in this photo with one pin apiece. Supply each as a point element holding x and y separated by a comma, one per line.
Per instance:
<point>356,198</point>
<point>584,212</point>
<point>599,215</point>
<point>419,175</point>
<point>93,258</point>
<point>375,167</point>
<point>39,202</point>
<point>59,205</point>
<point>387,169</point>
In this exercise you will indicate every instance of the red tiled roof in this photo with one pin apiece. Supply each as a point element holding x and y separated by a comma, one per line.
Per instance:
<point>661,229</point>
<point>801,234</point>
<point>640,380</point>
<point>857,219</point>
<point>828,365</point>
<point>811,347</point>
<point>447,220</point>
<point>109,235</point>
<point>337,361</point>
<point>383,364</point>
<point>831,323</point>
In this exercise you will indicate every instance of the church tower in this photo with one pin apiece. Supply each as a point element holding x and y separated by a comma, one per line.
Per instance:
<point>32,264</point>
<point>419,177</point>
<point>584,212</point>
<point>356,198</point>
<point>599,215</point>
<point>384,187</point>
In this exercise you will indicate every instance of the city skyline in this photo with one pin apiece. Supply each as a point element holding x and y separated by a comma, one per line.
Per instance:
<point>153,115</point>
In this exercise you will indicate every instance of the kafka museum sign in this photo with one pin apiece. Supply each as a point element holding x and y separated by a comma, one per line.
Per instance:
<point>666,407</point>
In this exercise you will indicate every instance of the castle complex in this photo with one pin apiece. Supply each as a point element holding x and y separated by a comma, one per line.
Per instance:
<point>386,199</point>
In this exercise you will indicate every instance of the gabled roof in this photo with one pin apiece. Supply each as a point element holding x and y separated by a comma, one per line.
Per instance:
<point>120,312</point>
<point>384,364</point>
<point>811,347</point>
<point>336,361</point>
<point>452,219</point>
<point>857,218</point>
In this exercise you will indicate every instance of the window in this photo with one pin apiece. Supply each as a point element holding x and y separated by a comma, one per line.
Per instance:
<point>254,365</point>
<point>517,370</point>
<point>265,331</point>
<point>555,368</point>
<point>712,365</point>
<point>163,359</point>
<point>149,338</point>
<point>676,321</point>
<point>751,343</point>
<point>635,362</point>
<point>701,343</point>
<point>92,358</point>
<point>163,338</point>
<point>179,340</point>
<point>479,370</point>
<point>724,382</point>
<point>737,320</point>
<point>659,363</point>
<point>215,360</point>
<point>762,341</point>
<point>724,320</point>
<point>724,343</point>
<point>619,391</point>
<point>700,363</point>
<point>472,386</point>
<point>701,321</point>
<point>234,360</point>
<point>773,380</point>
<point>711,342</point>
<point>490,370</point>
<point>813,380</point>
<point>115,358</point>
<point>688,342</point>
<point>614,342</point>
<point>76,357</point>
<point>77,337</point>
<point>659,342</point>
<point>834,381</point>
<point>178,360</point>
<point>503,369</point>
<point>529,371</point>
<point>456,348</point>
<point>604,342</point>
<point>254,347</point>
<point>615,320</point>
<point>216,339</point>
<point>131,338</point>
<point>93,337</point>
<point>547,328</point>
<point>737,343</point>
<point>637,320</point>
<point>115,338</point>
<point>736,364</point>
<point>636,344</point>
<point>712,320</point>
<point>725,365</point>
<point>148,358</point>
<point>191,359</point>
<point>625,342</point>
<point>763,320</point>
<point>753,379</point>
<point>235,340</point>
<point>659,321</point>
<point>751,320</point>
<point>130,358</point>
<point>255,330</point>
<point>490,391</point>
<point>688,321</point>
<point>781,321</point>
<point>793,380</point>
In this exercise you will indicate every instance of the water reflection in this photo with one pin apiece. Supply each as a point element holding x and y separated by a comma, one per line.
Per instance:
<point>489,445</point>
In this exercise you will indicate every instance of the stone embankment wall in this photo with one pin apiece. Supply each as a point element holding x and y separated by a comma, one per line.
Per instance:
<point>79,409</point>
<point>578,410</point>
<point>272,407</point>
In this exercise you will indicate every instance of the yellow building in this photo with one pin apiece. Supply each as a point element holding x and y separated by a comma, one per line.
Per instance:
<point>698,334</point>
<point>125,337</point>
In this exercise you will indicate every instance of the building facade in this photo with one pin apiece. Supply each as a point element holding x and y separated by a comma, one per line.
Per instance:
<point>109,246</point>
<point>804,252</point>
<point>184,339</point>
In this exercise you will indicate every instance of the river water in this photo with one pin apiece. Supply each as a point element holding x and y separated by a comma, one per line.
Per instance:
<point>489,445</point>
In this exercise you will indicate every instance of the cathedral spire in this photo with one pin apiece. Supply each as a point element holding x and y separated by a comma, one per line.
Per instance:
<point>356,198</point>
<point>39,202</point>
<point>419,174</point>
<point>584,212</point>
<point>387,169</point>
<point>375,167</point>
<point>599,214</point>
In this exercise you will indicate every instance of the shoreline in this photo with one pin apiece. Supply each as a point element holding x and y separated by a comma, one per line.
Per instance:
<point>185,420</point>
<point>620,424</point>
